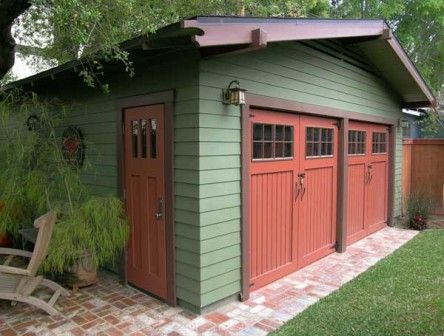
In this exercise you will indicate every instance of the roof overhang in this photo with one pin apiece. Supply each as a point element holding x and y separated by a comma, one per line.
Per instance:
<point>373,37</point>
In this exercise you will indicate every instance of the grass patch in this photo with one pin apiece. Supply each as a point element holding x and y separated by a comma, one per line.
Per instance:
<point>403,294</point>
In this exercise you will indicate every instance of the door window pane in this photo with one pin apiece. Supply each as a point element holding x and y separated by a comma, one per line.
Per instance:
<point>356,142</point>
<point>268,132</point>
<point>135,138</point>
<point>272,141</point>
<point>319,142</point>
<point>379,142</point>
<point>153,138</point>
<point>143,126</point>
<point>279,132</point>
<point>258,132</point>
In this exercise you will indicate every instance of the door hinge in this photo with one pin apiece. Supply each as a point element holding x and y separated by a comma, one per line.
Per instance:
<point>123,128</point>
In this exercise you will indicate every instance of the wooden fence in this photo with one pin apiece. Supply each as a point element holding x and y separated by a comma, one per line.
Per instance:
<point>423,171</point>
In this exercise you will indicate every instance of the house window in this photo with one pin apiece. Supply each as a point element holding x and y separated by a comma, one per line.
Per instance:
<point>272,142</point>
<point>318,142</point>
<point>356,142</point>
<point>379,142</point>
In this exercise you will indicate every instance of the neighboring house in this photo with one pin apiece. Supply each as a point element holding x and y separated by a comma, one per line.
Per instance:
<point>412,129</point>
<point>224,199</point>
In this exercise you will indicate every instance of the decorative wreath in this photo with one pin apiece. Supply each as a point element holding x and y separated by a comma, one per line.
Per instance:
<point>73,147</point>
<point>32,122</point>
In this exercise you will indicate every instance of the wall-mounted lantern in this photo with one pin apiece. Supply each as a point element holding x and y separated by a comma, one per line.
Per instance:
<point>234,95</point>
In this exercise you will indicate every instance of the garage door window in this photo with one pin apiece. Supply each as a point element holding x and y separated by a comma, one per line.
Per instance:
<point>319,142</point>
<point>379,143</point>
<point>356,142</point>
<point>272,142</point>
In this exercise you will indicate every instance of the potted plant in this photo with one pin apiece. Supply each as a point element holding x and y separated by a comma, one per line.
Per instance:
<point>418,210</point>
<point>89,235</point>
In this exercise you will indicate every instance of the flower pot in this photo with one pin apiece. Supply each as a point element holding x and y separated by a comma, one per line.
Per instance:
<point>84,272</point>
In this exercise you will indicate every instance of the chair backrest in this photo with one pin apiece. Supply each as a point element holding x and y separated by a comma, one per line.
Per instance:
<point>45,225</point>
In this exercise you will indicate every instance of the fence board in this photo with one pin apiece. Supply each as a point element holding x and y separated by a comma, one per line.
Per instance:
<point>423,171</point>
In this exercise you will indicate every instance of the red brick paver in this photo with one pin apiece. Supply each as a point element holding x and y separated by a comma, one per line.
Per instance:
<point>111,309</point>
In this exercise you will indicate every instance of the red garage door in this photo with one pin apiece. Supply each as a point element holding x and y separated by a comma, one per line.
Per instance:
<point>293,174</point>
<point>367,179</point>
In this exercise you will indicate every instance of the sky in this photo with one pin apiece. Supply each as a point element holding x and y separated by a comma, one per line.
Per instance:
<point>21,69</point>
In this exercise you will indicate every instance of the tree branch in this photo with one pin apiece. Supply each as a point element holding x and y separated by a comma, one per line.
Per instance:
<point>9,11</point>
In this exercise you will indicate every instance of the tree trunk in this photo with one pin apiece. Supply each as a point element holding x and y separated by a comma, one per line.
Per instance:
<point>9,11</point>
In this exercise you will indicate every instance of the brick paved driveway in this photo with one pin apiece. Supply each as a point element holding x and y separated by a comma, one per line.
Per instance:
<point>111,309</point>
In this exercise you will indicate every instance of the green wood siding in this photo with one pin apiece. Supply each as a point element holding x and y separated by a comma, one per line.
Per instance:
<point>292,71</point>
<point>95,114</point>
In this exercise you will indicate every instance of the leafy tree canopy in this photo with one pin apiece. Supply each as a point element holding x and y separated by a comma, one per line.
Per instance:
<point>418,24</point>
<point>62,30</point>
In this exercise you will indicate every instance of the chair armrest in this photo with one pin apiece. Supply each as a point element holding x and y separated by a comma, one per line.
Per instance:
<point>20,253</point>
<point>13,270</point>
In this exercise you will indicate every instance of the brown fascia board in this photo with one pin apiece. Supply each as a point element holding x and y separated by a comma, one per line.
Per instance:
<point>213,33</point>
<point>414,73</point>
<point>218,34</point>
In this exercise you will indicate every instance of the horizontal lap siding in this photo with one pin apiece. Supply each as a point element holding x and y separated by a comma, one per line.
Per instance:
<point>95,114</point>
<point>291,71</point>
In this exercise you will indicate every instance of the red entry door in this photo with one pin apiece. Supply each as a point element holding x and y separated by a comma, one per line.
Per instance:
<point>292,193</point>
<point>367,179</point>
<point>145,194</point>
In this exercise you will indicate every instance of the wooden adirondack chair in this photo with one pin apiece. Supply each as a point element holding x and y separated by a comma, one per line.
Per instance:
<point>18,284</point>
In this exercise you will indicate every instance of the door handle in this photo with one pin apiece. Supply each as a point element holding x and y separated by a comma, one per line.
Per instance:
<point>369,173</point>
<point>297,190</point>
<point>301,183</point>
<point>159,214</point>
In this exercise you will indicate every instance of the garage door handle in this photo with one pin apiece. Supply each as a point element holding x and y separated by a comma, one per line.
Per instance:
<point>297,190</point>
<point>369,173</point>
<point>301,183</point>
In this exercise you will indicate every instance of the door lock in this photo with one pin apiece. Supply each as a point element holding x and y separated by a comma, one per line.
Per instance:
<point>159,214</point>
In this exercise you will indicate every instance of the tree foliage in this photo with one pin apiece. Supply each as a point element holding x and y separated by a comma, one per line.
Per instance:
<point>418,24</point>
<point>62,30</point>
<point>74,29</point>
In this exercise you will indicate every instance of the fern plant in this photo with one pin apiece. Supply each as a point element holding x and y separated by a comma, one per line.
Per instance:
<point>97,227</point>
<point>35,178</point>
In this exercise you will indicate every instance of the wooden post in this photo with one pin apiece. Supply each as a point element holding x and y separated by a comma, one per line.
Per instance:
<point>391,177</point>
<point>341,217</point>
